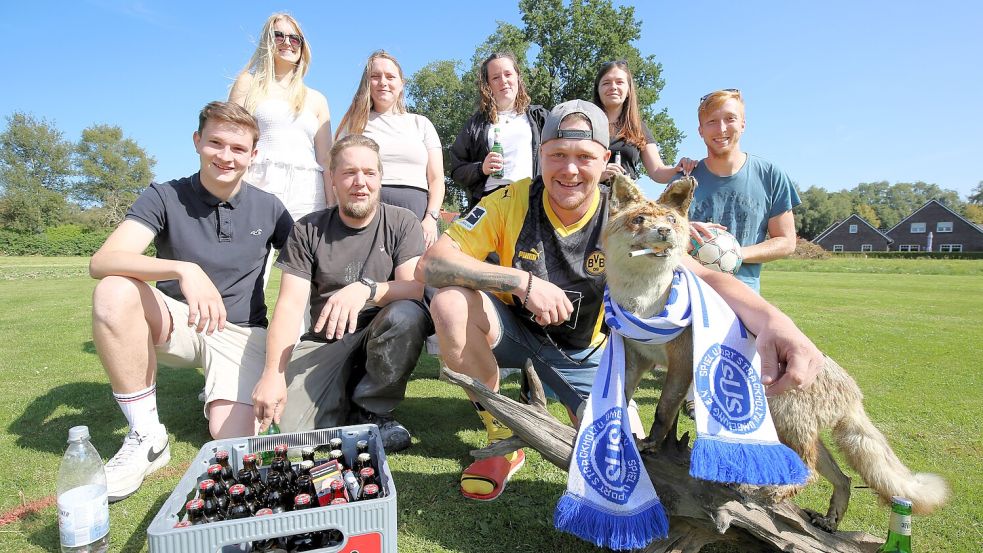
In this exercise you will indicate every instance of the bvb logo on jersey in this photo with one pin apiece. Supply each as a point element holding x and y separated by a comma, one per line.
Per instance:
<point>595,263</point>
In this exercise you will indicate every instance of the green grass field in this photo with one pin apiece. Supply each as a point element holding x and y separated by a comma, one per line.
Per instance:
<point>908,330</point>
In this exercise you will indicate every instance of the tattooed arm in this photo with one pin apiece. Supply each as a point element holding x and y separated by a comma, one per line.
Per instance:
<point>444,264</point>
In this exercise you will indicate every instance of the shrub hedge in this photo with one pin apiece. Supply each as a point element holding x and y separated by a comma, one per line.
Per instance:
<point>55,241</point>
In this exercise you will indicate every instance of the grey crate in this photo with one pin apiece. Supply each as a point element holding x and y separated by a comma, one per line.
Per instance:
<point>368,526</point>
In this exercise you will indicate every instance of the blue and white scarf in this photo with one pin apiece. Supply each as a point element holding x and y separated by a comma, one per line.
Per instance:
<point>610,500</point>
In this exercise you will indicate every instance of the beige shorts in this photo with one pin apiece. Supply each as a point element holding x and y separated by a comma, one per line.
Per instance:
<point>233,359</point>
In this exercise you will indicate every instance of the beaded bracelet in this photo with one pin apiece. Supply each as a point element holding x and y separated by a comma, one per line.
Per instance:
<point>525,300</point>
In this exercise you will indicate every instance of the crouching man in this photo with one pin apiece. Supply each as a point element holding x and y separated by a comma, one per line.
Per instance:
<point>213,233</point>
<point>356,263</point>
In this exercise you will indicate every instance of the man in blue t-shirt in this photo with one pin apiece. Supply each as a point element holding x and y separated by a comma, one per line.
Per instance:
<point>750,197</point>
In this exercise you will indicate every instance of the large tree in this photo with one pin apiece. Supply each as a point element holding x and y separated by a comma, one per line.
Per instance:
<point>35,173</point>
<point>820,209</point>
<point>114,170</point>
<point>976,196</point>
<point>572,40</point>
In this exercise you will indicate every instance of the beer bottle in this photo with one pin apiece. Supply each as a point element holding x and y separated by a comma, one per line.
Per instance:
<point>280,452</point>
<point>307,454</point>
<point>221,488</point>
<point>268,545</point>
<point>370,492</point>
<point>497,148</point>
<point>245,477</point>
<point>337,490</point>
<point>899,530</point>
<point>335,443</point>
<point>363,460</point>
<point>332,538</point>
<point>237,503</point>
<point>274,492</point>
<point>339,501</point>
<point>195,509</point>
<point>337,455</point>
<point>222,458</point>
<point>308,540</point>
<point>183,524</point>
<point>267,456</point>
<point>210,504</point>
<point>305,468</point>
<point>366,476</point>
<point>249,462</point>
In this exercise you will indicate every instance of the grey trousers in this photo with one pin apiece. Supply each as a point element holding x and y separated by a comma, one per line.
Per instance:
<point>367,369</point>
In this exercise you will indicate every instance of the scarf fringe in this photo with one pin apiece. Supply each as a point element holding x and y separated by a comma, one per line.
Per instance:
<point>758,464</point>
<point>620,532</point>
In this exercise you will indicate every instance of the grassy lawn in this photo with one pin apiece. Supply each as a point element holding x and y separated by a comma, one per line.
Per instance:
<point>908,331</point>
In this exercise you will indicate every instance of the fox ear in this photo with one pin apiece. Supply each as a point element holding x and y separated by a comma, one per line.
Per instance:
<point>679,194</point>
<point>623,193</point>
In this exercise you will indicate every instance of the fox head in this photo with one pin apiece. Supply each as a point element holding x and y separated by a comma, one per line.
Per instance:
<point>635,223</point>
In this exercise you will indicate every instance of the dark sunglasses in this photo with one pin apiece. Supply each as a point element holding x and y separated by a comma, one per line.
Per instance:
<point>280,37</point>
<point>705,96</point>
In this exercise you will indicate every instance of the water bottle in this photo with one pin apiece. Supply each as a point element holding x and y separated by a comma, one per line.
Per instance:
<point>83,505</point>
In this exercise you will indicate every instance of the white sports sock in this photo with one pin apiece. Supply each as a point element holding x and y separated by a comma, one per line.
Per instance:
<point>140,408</point>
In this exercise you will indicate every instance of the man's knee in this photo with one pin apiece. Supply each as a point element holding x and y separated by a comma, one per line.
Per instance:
<point>402,316</point>
<point>451,306</point>
<point>116,299</point>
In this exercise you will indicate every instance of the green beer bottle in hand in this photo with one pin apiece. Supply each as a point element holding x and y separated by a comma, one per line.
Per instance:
<point>267,456</point>
<point>497,148</point>
<point>899,530</point>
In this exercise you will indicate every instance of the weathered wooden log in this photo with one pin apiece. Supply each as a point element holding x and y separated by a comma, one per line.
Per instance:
<point>700,512</point>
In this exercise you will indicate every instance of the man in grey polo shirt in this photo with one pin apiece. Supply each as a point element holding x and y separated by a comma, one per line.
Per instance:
<point>213,233</point>
<point>355,262</point>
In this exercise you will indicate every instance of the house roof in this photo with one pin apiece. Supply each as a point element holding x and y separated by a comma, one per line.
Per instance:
<point>835,226</point>
<point>971,224</point>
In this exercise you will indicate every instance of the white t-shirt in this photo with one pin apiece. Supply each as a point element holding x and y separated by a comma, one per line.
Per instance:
<point>405,141</point>
<point>515,134</point>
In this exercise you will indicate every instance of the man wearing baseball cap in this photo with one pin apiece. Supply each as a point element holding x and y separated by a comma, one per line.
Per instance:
<point>543,300</point>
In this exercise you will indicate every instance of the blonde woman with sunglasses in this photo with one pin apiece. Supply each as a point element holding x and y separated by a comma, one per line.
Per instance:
<point>294,120</point>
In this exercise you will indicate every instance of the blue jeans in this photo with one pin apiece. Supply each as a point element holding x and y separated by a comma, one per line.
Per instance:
<point>563,380</point>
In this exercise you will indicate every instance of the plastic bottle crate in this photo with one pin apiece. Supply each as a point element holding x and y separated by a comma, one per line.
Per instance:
<point>368,526</point>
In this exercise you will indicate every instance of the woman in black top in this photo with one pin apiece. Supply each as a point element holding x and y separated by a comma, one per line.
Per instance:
<point>503,104</point>
<point>614,92</point>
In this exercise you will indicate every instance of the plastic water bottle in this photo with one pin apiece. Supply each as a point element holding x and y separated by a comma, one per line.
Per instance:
<point>83,505</point>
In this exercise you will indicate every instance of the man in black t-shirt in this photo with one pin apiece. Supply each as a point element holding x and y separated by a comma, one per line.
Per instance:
<point>213,233</point>
<point>356,262</point>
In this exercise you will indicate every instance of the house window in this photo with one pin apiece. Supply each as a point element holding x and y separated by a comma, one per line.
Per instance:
<point>909,248</point>
<point>853,229</point>
<point>866,248</point>
<point>950,248</point>
<point>943,226</point>
<point>917,228</point>
<point>837,247</point>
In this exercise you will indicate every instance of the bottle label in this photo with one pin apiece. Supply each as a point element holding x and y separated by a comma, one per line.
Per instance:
<point>901,524</point>
<point>83,515</point>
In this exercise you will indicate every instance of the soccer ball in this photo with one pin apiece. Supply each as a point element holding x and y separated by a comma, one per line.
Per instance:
<point>721,253</point>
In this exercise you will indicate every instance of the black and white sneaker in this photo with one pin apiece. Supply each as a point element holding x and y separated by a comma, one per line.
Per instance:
<point>141,454</point>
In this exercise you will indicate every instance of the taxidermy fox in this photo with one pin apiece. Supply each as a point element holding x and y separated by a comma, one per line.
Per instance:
<point>641,285</point>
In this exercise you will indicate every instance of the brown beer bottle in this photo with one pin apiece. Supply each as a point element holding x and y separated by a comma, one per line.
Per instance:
<point>237,503</point>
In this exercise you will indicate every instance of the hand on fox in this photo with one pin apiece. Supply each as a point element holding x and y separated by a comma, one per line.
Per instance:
<point>547,302</point>
<point>789,359</point>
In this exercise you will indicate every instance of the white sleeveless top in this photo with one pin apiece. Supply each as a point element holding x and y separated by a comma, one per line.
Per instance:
<point>284,137</point>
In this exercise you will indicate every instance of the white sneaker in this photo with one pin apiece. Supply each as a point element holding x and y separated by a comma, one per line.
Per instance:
<point>140,455</point>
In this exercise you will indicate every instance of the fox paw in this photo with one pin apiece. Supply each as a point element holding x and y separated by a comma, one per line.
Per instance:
<point>829,524</point>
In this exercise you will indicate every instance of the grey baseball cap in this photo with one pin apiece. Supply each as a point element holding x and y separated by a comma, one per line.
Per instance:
<point>598,123</point>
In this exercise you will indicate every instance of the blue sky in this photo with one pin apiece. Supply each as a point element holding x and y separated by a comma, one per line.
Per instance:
<point>838,92</point>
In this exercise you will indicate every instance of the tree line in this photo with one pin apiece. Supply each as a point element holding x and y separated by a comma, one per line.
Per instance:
<point>47,180</point>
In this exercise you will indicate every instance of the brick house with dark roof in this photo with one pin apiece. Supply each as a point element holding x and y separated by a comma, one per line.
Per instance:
<point>853,234</point>
<point>935,227</point>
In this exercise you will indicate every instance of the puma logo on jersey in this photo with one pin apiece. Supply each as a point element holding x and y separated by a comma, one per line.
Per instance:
<point>531,255</point>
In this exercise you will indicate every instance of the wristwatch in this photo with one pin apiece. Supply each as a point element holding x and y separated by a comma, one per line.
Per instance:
<point>435,213</point>
<point>372,286</point>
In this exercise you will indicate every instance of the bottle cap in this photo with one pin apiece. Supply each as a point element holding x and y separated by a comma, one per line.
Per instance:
<point>77,433</point>
<point>204,484</point>
<point>337,485</point>
<point>238,489</point>
<point>221,455</point>
<point>902,501</point>
<point>214,469</point>
<point>264,511</point>
<point>307,451</point>
<point>282,448</point>
<point>249,457</point>
<point>339,501</point>
<point>371,489</point>
<point>307,465</point>
<point>367,472</point>
<point>302,499</point>
<point>194,504</point>
<point>183,524</point>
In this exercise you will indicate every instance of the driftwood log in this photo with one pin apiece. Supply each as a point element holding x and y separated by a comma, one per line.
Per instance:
<point>700,512</point>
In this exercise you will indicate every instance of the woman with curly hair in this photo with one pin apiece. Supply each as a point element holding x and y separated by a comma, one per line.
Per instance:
<point>503,109</point>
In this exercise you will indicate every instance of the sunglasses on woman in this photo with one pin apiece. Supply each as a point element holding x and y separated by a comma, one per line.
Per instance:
<point>280,37</point>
